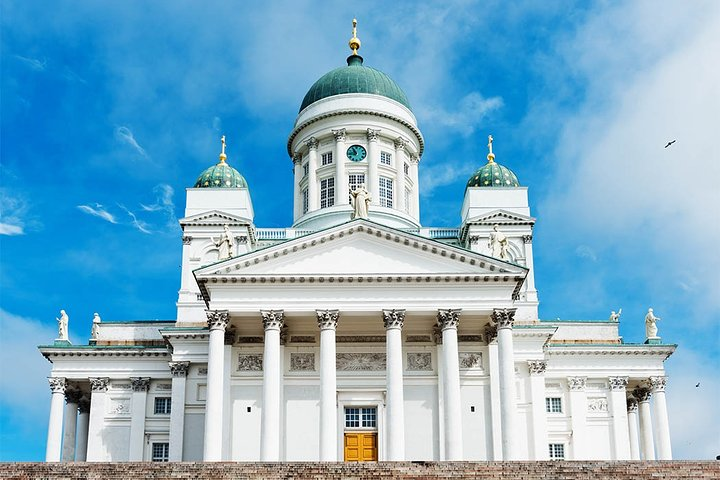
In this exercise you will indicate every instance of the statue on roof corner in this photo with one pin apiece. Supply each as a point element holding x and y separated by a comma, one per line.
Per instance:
<point>95,326</point>
<point>224,244</point>
<point>361,202</point>
<point>615,317</point>
<point>651,330</point>
<point>62,325</point>
<point>498,244</point>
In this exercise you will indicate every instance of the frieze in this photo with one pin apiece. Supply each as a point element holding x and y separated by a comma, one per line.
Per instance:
<point>360,339</point>
<point>302,362</point>
<point>418,339</point>
<point>470,360</point>
<point>250,362</point>
<point>302,339</point>
<point>419,362</point>
<point>163,387</point>
<point>250,340</point>
<point>121,386</point>
<point>597,405</point>
<point>470,338</point>
<point>370,362</point>
<point>576,383</point>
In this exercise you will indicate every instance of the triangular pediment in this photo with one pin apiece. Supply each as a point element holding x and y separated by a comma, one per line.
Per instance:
<point>214,218</point>
<point>501,217</point>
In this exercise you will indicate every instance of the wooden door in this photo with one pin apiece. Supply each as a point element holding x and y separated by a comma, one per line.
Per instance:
<point>361,447</point>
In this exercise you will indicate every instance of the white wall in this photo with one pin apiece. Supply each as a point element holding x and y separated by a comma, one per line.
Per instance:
<point>246,425</point>
<point>302,417</point>
<point>421,422</point>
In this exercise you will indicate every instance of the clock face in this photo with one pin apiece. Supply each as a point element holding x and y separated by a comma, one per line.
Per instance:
<point>356,153</point>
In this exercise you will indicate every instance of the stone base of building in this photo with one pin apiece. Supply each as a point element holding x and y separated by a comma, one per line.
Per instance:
<point>556,470</point>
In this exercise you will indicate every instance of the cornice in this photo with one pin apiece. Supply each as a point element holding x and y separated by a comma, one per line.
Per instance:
<point>227,219</point>
<point>91,351</point>
<point>620,349</point>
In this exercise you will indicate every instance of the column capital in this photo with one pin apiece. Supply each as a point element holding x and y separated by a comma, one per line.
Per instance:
<point>99,384</point>
<point>179,369</point>
<point>273,319</point>
<point>490,333</point>
<point>414,159</point>
<point>339,135</point>
<point>393,318</point>
<point>140,384</point>
<point>297,158</point>
<point>448,318</point>
<point>327,319</point>
<point>57,384</point>
<point>527,238</point>
<point>187,239</point>
<point>72,395</point>
<point>642,394</point>
<point>84,405</point>
<point>311,143</point>
<point>217,319</point>
<point>618,383</point>
<point>503,317</point>
<point>632,405</point>
<point>657,384</point>
<point>400,143</point>
<point>537,367</point>
<point>576,384</point>
<point>372,135</point>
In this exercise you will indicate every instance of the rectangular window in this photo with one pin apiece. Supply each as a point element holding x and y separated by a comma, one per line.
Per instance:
<point>162,405</point>
<point>306,169</point>
<point>356,417</point>
<point>327,192</point>
<point>406,168</point>
<point>553,405</point>
<point>386,158</point>
<point>386,192</point>
<point>354,181</point>
<point>305,201</point>
<point>160,452</point>
<point>326,158</point>
<point>556,451</point>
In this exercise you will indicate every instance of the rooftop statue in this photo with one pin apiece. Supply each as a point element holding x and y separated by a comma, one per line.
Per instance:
<point>361,202</point>
<point>651,330</point>
<point>95,326</point>
<point>62,326</point>
<point>498,244</point>
<point>615,317</point>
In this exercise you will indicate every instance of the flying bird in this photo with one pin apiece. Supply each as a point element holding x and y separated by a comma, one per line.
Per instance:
<point>698,384</point>
<point>670,143</point>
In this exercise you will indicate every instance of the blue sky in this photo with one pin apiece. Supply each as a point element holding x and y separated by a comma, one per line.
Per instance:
<point>111,109</point>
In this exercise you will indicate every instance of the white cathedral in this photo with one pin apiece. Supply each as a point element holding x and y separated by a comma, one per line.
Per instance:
<point>357,334</point>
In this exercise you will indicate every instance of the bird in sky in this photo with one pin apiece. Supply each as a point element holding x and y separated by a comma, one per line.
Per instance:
<point>698,384</point>
<point>670,143</point>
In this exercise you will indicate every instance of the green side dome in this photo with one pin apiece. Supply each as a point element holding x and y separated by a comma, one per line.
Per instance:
<point>221,175</point>
<point>355,78</point>
<point>493,175</point>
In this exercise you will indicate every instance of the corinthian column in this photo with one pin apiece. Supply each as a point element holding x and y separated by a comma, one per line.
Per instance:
<point>447,321</point>
<point>400,146</point>
<point>96,421</point>
<point>393,320</point>
<point>72,397</point>
<point>327,321</point>
<point>415,193</point>
<point>504,318</point>
<point>539,415</point>
<point>273,321</point>
<point>297,193</point>
<point>632,416</point>
<point>217,322</point>
<point>341,181</point>
<point>83,423</point>
<point>54,438</point>
<point>179,372</point>
<point>372,183</point>
<point>578,417</point>
<point>618,410</point>
<point>660,415</point>
<point>646,434</point>
<point>137,420</point>
<point>313,197</point>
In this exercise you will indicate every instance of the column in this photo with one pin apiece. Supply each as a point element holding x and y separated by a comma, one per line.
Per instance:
<point>229,341</point>
<point>578,417</point>
<point>96,420</point>
<point>72,397</point>
<point>493,362</point>
<point>660,416</point>
<point>415,193</point>
<point>83,422</point>
<point>297,192</point>
<point>647,447</point>
<point>327,321</point>
<point>618,411</point>
<point>179,371</point>
<point>217,322</point>
<point>632,416</point>
<point>399,203</point>
<point>448,321</point>
<point>341,181</point>
<point>539,415</point>
<point>504,318</point>
<point>395,403</point>
<point>137,417</point>
<point>372,183</point>
<point>273,321</point>
<point>54,438</point>
<point>313,195</point>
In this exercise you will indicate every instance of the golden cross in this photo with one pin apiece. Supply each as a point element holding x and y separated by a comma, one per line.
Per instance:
<point>222,140</point>
<point>490,140</point>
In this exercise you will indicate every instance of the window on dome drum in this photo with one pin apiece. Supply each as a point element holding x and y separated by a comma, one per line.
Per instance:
<point>160,452</point>
<point>386,192</point>
<point>386,158</point>
<point>162,405</point>
<point>327,192</point>
<point>360,417</point>
<point>553,405</point>
<point>557,451</point>
<point>326,158</point>
<point>306,169</point>
<point>406,168</point>
<point>305,200</point>
<point>354,181</point>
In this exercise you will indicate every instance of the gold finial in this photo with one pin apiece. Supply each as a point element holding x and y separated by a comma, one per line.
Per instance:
<point>354,41</point>
<point>222,153</point>
<point>491,155</point>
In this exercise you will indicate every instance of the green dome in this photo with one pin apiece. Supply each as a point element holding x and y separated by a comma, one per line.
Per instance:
<point>221,175</point>
<point>355,78</point>
<point>493,175</point>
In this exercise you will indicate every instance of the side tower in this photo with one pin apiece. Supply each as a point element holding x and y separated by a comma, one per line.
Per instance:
<point>496,222</point>
<point>218,225</point>
<point>355,127</point>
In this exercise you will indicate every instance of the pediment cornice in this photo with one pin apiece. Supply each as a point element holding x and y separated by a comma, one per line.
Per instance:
<point>214,218</point>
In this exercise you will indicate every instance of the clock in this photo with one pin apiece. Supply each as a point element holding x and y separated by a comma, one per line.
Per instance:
<point>356,153</point>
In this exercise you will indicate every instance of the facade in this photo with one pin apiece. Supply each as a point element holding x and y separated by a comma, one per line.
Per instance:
<point>357,334</point>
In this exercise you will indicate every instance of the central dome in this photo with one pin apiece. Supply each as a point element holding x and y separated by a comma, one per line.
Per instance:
<point>355,78</point>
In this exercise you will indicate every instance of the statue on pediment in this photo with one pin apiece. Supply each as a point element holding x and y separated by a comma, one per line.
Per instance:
<point>95,326</point>
<point>62,325</point>
<point>224,244</point>
<point>651,330</point>
<point>615,317</point>
<point>498,244</point>
<point>361,202</point>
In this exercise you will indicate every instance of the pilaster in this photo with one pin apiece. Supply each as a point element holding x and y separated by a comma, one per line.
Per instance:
<point>578,417</point>
<point>539,416</point>
<point>618,411</point>
<point>179,371</point>
<point>95,447</point>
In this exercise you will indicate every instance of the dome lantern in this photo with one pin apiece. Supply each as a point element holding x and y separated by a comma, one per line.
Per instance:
<point>492,174</point>
<point>221,175</point>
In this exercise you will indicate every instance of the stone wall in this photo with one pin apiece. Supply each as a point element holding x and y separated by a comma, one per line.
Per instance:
<point>551,470</point>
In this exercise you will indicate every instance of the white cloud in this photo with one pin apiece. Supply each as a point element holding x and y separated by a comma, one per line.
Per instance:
<point>138,224</point>
<point>125,135</point>
<point>13,210</point>
<point>98,211</point>
<point>583,251</point>
<point>164,203</point>
<point>472,109</point>
<point>33,63</point>
<point>8,229</point>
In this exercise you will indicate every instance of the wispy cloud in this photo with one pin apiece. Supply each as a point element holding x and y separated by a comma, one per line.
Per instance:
<point>33,63</point>
<point>138,224</point>
<point>8,229</point>
<point>98,211</point>
<point>584,251</point>
<point>164,203</point>
<point>469,113</point>
<point>124,134</point>
<point>13,209</point>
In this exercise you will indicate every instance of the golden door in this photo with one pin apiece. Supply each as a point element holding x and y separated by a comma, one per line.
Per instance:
<point>361,447</point>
